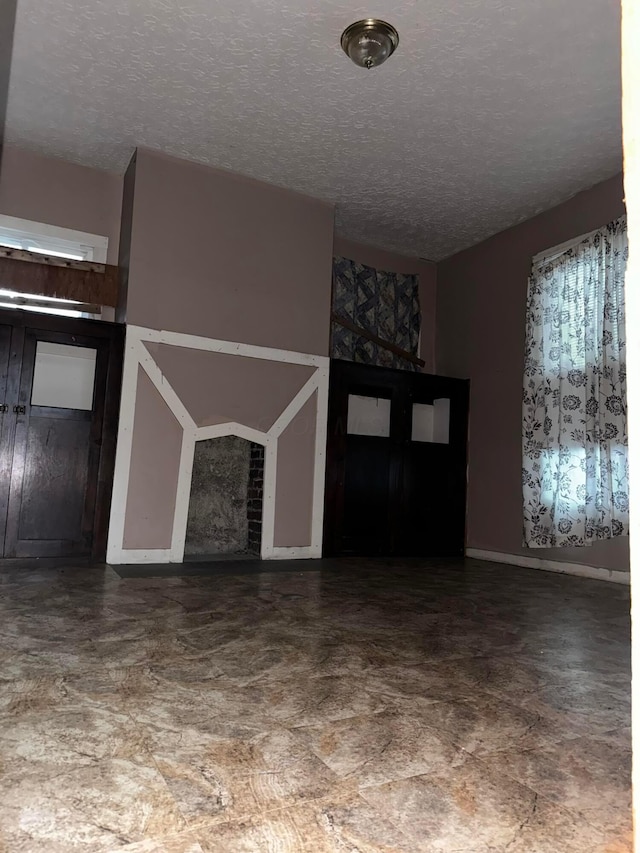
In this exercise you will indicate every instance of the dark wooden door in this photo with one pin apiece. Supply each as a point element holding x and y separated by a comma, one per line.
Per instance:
<point>9,376</point>
<point>51,462</point>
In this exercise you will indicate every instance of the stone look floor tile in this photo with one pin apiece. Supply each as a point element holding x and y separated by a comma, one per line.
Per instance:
<point>372,706</point>
<point>307,700</point>
<point>379,748</point>
<point>76,772</point>
<point>321,826</point>
<point>220,780</point>
<point>473,808</point>
<point>582,707</point>
<point>589,775</point>
<point>184,842</point>
<point>482,723</point>
<point>205,706</point>
<point>99,806</point>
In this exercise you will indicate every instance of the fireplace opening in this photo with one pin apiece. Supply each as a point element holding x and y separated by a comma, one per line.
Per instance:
<point>225,504</point>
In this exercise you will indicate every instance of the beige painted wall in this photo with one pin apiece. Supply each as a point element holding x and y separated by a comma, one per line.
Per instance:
<point>480,335</point>
<point>296,455</point>
<point>45,189</point>
<point>392,262</point>
<point>155,455</point>
<point>220,255</point>
<point>208,383</point>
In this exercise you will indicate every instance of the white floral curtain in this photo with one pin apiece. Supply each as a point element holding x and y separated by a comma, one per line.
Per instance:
<point>575,467</point>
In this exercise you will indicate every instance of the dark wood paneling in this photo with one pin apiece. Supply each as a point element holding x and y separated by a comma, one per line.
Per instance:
<point>124,246</point>
<point>9,381</point>
<point>367,495</point>
<point>108,438</point>
<point>53,323</point>
<point>428,521</point>
<point>64,282</point>
<point>54,483</point>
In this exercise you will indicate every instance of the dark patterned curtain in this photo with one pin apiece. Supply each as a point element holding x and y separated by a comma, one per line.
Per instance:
<point>385,304</point>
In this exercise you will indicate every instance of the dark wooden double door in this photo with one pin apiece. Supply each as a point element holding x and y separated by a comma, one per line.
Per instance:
<point>396,463</point>
<point>59,387</point>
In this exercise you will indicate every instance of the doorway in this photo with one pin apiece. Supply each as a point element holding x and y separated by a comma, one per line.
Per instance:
<point>59,395</point>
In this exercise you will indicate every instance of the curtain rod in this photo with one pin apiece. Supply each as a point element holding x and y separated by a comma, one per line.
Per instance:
<point>554,251</point>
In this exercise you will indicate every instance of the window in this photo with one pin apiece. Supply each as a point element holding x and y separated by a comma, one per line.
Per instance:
<point>575,465</point>
<point>52,240</point>
<point>56,242</point>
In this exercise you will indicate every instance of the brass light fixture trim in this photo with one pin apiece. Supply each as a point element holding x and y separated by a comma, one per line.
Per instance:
<point>369,42</point>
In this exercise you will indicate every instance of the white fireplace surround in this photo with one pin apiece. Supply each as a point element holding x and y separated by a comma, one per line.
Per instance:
<point>137,356</point>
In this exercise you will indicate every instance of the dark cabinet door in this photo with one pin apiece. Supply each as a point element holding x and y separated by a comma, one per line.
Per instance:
<point>396,463</point>
<point>364,461</point>
<point>367,496</point>
<point>433,494</point>
<point>56,444</point>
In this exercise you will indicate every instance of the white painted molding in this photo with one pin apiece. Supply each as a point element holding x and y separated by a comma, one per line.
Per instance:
<point>269,498</point>
<point>231,428</point>
<point>183,493</point>
<point>180,339</point>
<point>322,416</point>
<point>294,406</point>
<point>139,556</point>
<point>550,565</point>
<point>299,552</point>
<point>115,538</point>
<point>164,388</point>
<point>137,355</point>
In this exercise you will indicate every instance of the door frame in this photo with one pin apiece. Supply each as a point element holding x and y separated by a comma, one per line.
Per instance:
<point>113,333</point>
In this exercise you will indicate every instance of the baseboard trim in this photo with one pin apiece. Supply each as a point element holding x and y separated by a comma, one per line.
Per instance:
<point>578,569</point>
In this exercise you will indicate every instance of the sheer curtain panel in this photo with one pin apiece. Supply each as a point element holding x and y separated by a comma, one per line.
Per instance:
<point>575,467</point>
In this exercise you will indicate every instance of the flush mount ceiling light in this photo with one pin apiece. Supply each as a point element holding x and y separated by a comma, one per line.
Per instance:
<point>370,42</point>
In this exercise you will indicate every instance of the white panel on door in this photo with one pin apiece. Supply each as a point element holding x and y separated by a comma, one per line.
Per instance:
<point>430,423</point>
<point>422,422</point>
<point>63,376</point>
<point>369,416</point>
<point>441,414</point>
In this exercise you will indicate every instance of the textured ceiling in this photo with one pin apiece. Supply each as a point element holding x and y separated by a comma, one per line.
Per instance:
<point>490,111</point>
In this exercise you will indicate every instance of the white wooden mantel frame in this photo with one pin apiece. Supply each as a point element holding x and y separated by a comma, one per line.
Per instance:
<point>137,355</point>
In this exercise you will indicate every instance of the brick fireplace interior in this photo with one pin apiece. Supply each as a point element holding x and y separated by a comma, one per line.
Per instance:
<point>225,503</point>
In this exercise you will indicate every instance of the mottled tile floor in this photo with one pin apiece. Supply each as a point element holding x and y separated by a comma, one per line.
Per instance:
<point>361,708</point>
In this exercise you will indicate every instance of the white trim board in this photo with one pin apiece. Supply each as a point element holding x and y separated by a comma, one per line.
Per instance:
<point>577,569</point>
<point>137,356</point>
<point>181,339</point>
<point>30,228</point>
